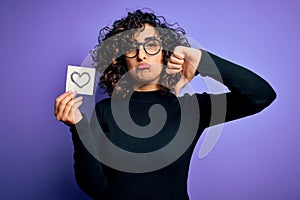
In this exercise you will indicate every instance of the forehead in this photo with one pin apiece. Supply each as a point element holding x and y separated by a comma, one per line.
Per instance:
<point>146,32</point>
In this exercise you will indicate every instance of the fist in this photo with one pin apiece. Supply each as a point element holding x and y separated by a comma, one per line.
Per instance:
<point>185,61</point>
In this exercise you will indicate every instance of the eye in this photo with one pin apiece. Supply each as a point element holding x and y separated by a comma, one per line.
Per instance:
<point>130,47</point>
<point>152,47</point>
<point>152,44</point>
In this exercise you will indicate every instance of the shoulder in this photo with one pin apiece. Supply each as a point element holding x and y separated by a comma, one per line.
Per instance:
<point>102,106</point>
<point>103,102</point>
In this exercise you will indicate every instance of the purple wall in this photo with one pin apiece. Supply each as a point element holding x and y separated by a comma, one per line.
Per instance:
<point>255,158</point>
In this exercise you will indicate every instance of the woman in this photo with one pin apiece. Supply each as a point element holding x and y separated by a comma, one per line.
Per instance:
<point>143,59</point>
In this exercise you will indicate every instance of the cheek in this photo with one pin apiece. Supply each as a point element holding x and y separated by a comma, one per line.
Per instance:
<point>130,64</point>
<point>161,57</point>
<point>157,59</point>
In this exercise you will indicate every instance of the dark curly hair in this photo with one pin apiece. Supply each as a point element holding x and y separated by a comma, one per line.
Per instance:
<point>108,55</point>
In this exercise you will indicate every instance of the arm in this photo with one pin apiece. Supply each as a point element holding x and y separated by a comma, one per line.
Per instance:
<point>249,93</point>
<point>88,170</point>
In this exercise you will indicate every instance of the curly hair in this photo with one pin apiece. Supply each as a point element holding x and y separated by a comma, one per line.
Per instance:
<point>108,55</point>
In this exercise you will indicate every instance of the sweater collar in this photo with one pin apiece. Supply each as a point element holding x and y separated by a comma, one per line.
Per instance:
<point>149,96</point>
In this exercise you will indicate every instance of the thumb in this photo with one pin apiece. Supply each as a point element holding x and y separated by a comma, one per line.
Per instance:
<point>180,84</point>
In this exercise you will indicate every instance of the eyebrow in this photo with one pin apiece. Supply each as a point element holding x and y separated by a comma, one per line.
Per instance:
<point>148,38</point>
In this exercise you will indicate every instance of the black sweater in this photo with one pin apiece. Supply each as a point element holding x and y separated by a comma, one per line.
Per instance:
<point>164,175</point>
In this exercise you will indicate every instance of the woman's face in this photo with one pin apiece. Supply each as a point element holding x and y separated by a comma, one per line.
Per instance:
<point>144,68</point>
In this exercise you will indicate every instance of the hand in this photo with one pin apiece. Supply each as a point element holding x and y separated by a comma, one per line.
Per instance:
<point>185,61</point>
<point>66,108</point>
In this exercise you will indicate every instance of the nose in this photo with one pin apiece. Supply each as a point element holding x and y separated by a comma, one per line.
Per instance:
<point>141,54</point>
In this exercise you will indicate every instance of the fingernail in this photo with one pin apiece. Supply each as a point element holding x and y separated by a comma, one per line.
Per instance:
<point>181,55</point>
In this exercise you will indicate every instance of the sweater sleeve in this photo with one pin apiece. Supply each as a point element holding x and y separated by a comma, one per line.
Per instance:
<point>249,93</point>
<point>88,170</point>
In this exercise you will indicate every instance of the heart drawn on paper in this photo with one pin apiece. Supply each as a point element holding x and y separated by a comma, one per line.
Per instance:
<point>80,80</point>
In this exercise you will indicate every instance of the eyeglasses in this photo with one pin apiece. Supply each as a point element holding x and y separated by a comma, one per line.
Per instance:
<point>151,47</point>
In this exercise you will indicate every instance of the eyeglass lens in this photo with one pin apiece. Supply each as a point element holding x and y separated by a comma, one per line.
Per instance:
<point>151,47</point>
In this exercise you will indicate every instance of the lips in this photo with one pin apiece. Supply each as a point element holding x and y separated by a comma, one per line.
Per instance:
<point>143,66</point>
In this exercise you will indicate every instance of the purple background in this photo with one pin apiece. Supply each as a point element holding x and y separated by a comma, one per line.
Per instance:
<point>255,158</point>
